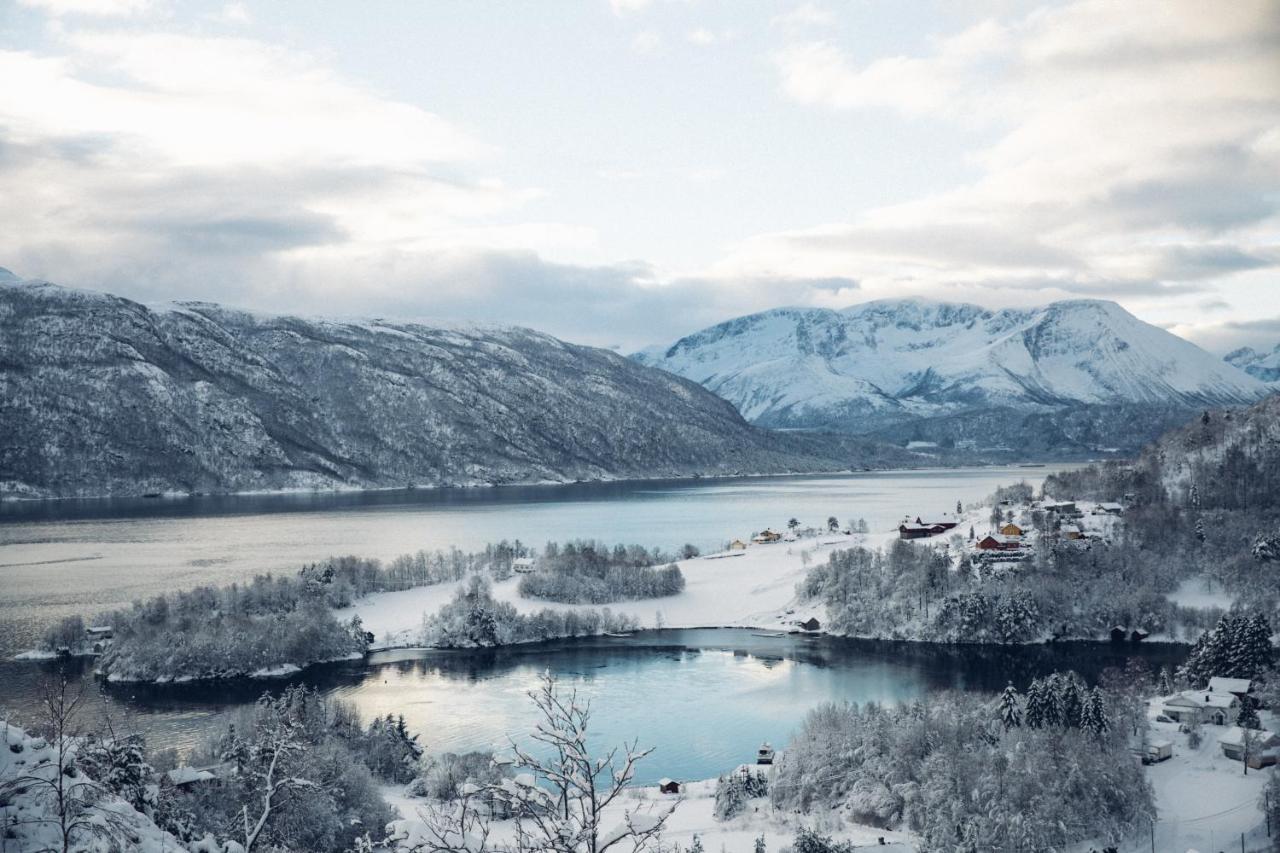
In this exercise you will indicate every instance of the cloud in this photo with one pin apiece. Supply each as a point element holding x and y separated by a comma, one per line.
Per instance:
<point>91,8</point>
<point>1132,149</point>
<point>646,41</point>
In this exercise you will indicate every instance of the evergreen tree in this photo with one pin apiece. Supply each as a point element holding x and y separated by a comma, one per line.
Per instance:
<point>1093,715</point>
<point>760,845</point>
<point>1034,713</point>
<point>1247,718</point>
<point>1054,708</point>
<point>1166,682</point>
<point>1010,710</point>
<point>696,845</point>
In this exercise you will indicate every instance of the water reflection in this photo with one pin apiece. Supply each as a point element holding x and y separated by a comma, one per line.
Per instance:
<point>704,698</point>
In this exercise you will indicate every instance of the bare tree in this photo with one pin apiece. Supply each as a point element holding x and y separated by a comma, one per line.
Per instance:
<point>559,803</point>
<point>73,802</point>
<point>263,762</point>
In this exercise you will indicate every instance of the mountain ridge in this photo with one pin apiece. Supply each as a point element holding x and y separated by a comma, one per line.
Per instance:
<point>101,395</point>
<point>886,365</point>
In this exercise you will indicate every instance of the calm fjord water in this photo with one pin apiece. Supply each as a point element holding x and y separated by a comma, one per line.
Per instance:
<point>704,699</point>
<point>64,557</point>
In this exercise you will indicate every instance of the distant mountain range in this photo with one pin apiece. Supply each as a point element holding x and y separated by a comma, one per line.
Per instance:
<point>1264,366</point>
<point>101,395</point>
<point>1079,376</point>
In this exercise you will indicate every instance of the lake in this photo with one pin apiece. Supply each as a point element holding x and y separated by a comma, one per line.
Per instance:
<point>82,556</point>
<point>705,698</point>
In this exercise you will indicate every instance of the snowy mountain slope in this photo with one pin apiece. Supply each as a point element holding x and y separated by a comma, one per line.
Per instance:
<point>29,809</point>
<point>883,364</point>
<point>101,395</point>
<point>1264,366</point>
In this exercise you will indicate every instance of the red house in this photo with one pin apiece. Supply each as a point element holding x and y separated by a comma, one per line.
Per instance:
<point>923,529</point>
<point>999,542</point>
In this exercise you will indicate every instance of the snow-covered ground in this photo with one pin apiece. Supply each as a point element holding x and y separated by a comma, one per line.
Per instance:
<point>755,588</point>
<point>1200,593</point>
<point>27,767</point>
<point>1203,799</point>
<point>694,815</point>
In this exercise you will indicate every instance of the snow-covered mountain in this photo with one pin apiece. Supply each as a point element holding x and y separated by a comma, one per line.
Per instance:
<point>958,372</point>
<point>101,395</point>
<point>1264,366</point>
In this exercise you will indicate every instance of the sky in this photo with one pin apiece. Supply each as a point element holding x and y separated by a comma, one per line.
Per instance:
<point>623,172</point>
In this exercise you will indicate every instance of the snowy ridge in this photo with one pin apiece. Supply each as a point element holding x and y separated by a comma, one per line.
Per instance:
<point>1263,366</point>
<point>101,395</point>
<point>890,362</point>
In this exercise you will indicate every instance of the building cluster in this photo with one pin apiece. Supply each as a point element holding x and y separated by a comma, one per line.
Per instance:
<point>1219,704</point>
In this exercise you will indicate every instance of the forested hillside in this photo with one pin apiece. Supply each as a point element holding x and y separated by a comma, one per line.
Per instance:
<point>101,395</point>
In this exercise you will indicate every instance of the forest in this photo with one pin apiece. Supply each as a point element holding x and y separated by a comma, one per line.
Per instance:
<point>1034,772</point>
<point>594,573</point>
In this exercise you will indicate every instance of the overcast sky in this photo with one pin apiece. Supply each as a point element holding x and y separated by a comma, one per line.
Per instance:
<point>621,173</point>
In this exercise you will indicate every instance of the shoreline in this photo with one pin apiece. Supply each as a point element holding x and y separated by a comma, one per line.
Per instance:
<point>163,496</point>
<point>289,670</point>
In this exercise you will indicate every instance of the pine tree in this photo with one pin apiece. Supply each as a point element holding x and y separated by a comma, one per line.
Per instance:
<point>1166,682</point>
<point>1010,710</point>
<point>1054,709</point>
<point>1247,718</point>
<point>1200,535</point>
<point>959,508</point>
<point>1035,705</point>
<point>1093,716</point>
<point>760,845</point>
<point>696,845</point>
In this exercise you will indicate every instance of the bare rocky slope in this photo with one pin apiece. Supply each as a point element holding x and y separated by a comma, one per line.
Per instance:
<point>100,395</point>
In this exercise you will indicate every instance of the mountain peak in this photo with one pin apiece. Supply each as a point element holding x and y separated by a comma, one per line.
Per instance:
<point>898,361</point>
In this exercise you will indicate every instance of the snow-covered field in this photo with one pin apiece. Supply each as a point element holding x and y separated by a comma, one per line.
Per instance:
<point>1198,592</point>
<point>754,588</point>
<point>694,815</point>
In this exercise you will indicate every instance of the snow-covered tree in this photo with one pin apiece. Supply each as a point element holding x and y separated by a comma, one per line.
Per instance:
<point>1247,717</point>
<point>1010,709</point>
<point>557,803</point>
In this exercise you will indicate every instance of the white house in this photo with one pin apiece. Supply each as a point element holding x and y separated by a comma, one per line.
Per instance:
<point>1202,706</point>
<point>523,565</point>
<point>1235,686</point>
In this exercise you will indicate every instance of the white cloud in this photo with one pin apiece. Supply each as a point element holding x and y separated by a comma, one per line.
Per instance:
<point>646,42</point>
<point>235,13</point>
<point>622,7</point>
<point>1135,153</point>
<point>91,8</point>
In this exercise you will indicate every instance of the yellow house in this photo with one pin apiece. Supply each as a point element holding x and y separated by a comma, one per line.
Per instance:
<point>737,545</point>
<point>1010,529</point>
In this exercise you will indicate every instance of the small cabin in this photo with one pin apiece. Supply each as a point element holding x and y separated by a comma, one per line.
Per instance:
<point>1109,508</point>
<point>190,777</point>
<point>999,542</point>
<point>1260,745</point>
<point>737,545</point>
<point>764,755</point>
<point>810,624</point>
<point>524,565</point>
<point>1010,529</point>
<point>766,536</point>
<point>1071,531</point>
<point>668,786</point>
